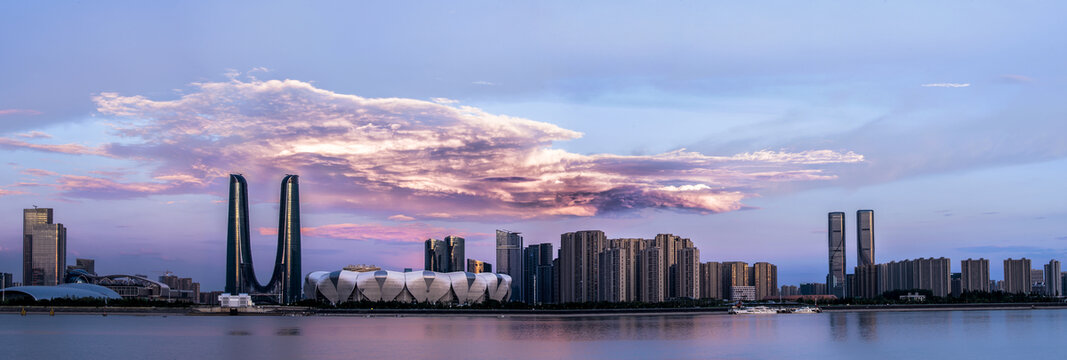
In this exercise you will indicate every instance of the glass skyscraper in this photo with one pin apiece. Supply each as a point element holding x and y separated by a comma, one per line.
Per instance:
<point>285,281</point>
<point>509,260</point>
<point>835,280</point>
<point>44,248</point>
<point>864,237</point>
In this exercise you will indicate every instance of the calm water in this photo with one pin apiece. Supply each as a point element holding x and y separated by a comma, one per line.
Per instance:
<point>878,335</point>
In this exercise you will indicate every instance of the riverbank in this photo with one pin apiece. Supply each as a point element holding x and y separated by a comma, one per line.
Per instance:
<point>307,311</point>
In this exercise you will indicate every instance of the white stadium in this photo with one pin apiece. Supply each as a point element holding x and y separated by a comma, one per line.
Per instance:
<point>416,286</point>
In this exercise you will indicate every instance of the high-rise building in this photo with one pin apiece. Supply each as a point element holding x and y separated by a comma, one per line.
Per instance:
<point>813,289</point>
<point>866,281</point>
<point>764,277</point>
<point>6,280</point>
<point>835,280</point>
<point>734,273</point>
<point>1037,276</point>
<point>927,274</point>
<point>435,256</point>
<point>611,285</point>
<point>974,275</point>
<point>456,256</point>
<point>1016,276</point>
<point>477,266</point>
<point>711,280</point>
<point>670,244</point>
<point>865,237</point>
<point>653,275</point>
<point>957,284</point>
<point>537,259</point>
<point>44,248</point>
<point>687,284</point>
<point>1053,287</point>
<point>509,260</point>
<point>631,252</point>
<point>789,290</point>
<point>89,265</point>
<point>285,281</point>
<point>579,265</point>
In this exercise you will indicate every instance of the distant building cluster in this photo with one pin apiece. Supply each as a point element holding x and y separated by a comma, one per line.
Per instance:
<point>870,279</point>
<point>590,267</point>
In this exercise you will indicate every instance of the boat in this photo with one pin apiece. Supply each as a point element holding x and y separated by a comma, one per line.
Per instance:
<point>756,310</point>
<point>806,310</point>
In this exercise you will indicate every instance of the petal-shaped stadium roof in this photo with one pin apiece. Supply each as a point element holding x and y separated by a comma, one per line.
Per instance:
<point>62,291</point>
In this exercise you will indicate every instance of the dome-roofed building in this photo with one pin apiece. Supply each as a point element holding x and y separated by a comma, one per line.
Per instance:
<point>416,286</point>
<point>61,291</point>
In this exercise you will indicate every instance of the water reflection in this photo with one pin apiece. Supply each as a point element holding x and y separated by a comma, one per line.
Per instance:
<point>868,326</point>
<point>832,335</point>
<point>838,326</point>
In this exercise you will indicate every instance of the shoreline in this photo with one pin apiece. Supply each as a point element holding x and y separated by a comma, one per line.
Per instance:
<point>304,311</point>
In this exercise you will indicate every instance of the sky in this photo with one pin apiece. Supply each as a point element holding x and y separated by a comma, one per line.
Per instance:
<point>737,125</point>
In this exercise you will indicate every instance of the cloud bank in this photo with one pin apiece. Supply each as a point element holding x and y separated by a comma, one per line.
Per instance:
<point>402,156</point>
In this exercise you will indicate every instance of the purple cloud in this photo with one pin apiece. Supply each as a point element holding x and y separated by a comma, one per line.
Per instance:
<point>420,158</point>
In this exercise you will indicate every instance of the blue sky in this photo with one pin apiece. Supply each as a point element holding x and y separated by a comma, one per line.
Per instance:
<point>955,108</point>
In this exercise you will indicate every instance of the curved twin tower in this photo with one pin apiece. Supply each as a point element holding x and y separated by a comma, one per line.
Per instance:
<point>285,281</point>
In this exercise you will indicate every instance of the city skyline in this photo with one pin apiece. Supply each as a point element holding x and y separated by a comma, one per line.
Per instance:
<point>947,125</point>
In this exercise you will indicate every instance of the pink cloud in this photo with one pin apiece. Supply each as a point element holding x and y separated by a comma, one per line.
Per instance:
<point>19,112</point>
<point>419,158</point>
<point>4,192</point>
<point>75,149</point>
<point>401,217</point>
<point>38,172</point>
<point>35,135</point>
<point>410,233</point>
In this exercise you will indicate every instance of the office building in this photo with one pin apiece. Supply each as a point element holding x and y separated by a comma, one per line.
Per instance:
<point>835,280</point>
<point>1053,286</point>
<point>711,280</point>
<point>865,237</point>
<point>455,253</point>
<point>477,266</point>
<point>44,248</point>
<point>974,275</point>
<point>509,260</point>
<point>734,273</point>
<point>87,265</point>
<point>6,280</point>
<point>537,260</point>
<point>813,289</point>
<point>579,265</point>
<point>653,275</point>
<point>435,256</point>
<point>1017,276</point>
<point>285,282</point>
<point>956,284</point>
<point>687,284</point>
<point>763,277</point>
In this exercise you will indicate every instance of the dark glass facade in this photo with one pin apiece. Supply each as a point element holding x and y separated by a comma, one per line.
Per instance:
<point>865,237</point>
<point>285,281</point>
<point>835,280</point>
<point>44,248</point>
